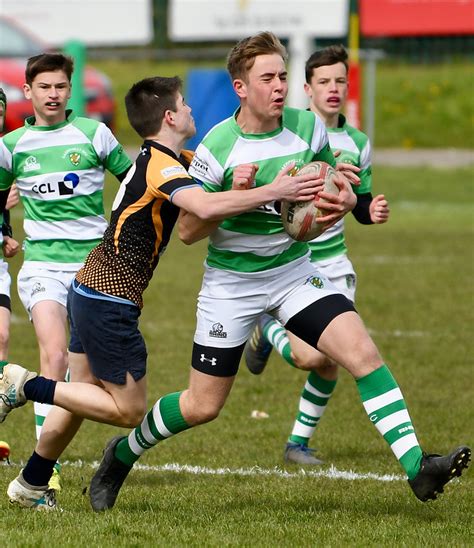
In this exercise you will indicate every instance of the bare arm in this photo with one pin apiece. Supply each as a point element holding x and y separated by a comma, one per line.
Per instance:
<point>192,229</point>
<point>217,206</point>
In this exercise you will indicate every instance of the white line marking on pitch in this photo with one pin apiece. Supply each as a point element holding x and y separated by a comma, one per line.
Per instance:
<point>330,473</point>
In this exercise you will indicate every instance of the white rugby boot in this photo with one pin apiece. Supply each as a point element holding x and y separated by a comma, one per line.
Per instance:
<point>22,494</point>
<point>12,381</point>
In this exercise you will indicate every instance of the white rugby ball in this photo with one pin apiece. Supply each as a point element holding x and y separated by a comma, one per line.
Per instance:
<point>299,218</point>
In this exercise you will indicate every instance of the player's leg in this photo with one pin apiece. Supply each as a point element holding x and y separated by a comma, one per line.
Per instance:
<point>4,326</point>
<point>217,350</point>
<point>44,295</point>
<point>314,398</point>
<point>341,335</point>
<point>5,309</point>
<point>109,335</point>
<point>173,413</point>
<point>322,379</point>
<point>31,488</point>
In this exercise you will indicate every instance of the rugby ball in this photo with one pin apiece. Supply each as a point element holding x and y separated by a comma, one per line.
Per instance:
<point>299,218</point>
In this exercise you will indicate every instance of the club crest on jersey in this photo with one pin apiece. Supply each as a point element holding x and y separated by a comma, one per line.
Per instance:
<point>75,158</point>
<point>299,162</point>
<point>217,330</point>
<point>31,163</point>
<point>315,282</point>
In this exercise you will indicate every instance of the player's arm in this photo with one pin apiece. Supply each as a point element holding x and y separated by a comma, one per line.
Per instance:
<point>334,206</point>
<point>217,206</point>
<point>192,229</point>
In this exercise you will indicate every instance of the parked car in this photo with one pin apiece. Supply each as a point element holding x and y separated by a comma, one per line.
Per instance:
<point>16,45</point>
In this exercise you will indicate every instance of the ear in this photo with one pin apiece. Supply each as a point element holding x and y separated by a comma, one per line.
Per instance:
<point>169,117</point>
<point>307,89</point>
<point>27,91</point>
<point>240,88</point>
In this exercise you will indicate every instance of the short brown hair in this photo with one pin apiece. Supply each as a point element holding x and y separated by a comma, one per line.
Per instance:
<point>241,57</point>
<point>148,100</point>
<point>48,62</point>
<point>325,57</point>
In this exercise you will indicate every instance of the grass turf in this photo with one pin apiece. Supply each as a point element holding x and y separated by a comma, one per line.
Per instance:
<point>415,294</point>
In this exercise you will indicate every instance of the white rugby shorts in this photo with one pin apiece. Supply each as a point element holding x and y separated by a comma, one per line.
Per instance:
<point>341,273</point>
<point>40,284</point>
<point>230,302</point>
<point>5,279</point>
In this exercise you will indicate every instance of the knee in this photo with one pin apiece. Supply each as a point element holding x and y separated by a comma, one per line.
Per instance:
<point>131,418</point>
<point>309,360</point>
<point>202,412</point>
<point>55,364</point>
<point>4,338</point>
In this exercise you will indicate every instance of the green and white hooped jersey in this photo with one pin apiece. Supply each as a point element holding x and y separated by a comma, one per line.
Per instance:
<point>59,172</point>
<point>355,149</point>
<point>255,241</point>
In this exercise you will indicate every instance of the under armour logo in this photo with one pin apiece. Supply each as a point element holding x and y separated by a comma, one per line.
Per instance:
<point>212,361</point>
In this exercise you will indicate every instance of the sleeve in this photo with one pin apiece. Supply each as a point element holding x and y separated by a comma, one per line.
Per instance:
<point>206,170</point>
<point>6,171</point>
<point>365,172</point>
<point>165,177</point>
<point>110,151</point>
<point>361,210</point>
<point>320,143</point>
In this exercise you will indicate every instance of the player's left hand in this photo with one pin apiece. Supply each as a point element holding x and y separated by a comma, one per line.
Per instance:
<point>379,210</point>
<point>336,206</point>
<point>10,247</point>
<point>349,171</point>
<point>244,176</point>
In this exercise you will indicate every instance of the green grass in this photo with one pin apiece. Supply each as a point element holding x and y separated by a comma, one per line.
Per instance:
<point>416,105</point>
<point>415,293</point>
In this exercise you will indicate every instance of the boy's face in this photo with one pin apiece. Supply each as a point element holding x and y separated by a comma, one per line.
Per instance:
<point>183,118</point>
<point>49,92</point>
<point>327,89</point>
<point>265,87</point>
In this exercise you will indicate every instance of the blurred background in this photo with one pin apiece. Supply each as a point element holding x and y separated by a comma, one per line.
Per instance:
<point>411,74</point>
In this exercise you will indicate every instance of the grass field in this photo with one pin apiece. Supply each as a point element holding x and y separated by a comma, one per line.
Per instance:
<point>225,483</point>
<point>416,105</point>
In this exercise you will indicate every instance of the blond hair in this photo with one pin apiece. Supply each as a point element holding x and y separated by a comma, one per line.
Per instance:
<point>242,56</point>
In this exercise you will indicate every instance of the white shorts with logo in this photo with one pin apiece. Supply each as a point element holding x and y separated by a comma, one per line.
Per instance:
<point>341,273</point>
<point>40,284</point>
<point>5,279</point>
<point>230,302</point>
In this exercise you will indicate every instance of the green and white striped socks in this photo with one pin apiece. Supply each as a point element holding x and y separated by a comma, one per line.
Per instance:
<point>162,421</point>
<point>384,404</point>
<point>313,402</point>
<point>276,335</point>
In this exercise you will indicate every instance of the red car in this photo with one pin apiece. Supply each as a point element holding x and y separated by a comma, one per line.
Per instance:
<point>16,45</point>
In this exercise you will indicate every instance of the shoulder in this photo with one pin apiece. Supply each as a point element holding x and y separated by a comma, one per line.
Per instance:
<point>358,136</point>
<point>11,139</point>
<point>297,116</point>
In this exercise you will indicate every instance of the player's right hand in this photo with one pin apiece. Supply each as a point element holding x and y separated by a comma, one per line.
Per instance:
<point>296,188</point>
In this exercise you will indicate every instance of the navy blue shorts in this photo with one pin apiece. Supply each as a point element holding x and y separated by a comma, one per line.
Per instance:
<point>108,333</point>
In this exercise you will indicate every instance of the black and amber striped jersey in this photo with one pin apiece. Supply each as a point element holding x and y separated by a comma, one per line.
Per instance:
<point>143,217</point>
